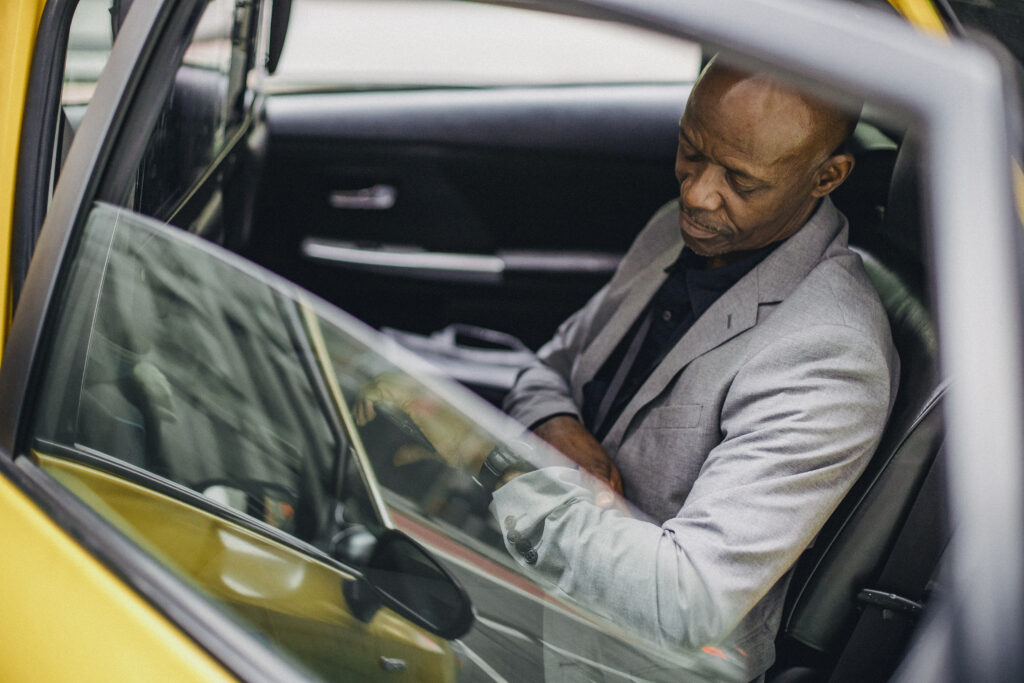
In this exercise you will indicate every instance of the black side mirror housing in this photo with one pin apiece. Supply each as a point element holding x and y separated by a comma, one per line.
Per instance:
<point>409,581</point>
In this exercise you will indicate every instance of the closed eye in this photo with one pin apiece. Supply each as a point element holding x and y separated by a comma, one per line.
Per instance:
<point>742,185</point>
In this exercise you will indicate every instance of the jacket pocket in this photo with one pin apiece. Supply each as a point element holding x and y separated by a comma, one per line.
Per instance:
<point>681,416</point>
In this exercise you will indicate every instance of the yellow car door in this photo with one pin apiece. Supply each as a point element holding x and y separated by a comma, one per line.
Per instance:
<point>114,565</point>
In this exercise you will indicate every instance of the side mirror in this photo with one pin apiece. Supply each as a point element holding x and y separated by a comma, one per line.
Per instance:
<point>413,584</point>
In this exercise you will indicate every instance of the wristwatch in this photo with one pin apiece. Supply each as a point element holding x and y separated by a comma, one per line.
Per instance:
<point>496,466</point>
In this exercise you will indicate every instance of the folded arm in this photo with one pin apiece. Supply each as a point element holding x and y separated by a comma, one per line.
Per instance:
<point>799,424</point>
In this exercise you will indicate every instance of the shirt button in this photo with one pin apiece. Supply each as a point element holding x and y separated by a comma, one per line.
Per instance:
<point>510,522</point>
<point>523,546</point>
<point>666,315</point>
<point>513,537</point>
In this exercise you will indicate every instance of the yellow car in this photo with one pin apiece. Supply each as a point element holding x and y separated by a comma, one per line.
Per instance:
<point>209,471</point>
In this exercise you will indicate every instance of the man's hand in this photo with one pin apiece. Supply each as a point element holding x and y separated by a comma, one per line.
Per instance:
<point>569,436</point>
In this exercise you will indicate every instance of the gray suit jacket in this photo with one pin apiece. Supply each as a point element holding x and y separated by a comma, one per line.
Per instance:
<point>738,446</point>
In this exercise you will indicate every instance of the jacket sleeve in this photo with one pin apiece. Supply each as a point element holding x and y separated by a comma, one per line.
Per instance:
<point>542,388</point>
<point>799,423</point>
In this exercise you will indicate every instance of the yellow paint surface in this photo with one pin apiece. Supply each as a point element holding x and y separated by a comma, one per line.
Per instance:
<point>922,14</point>
<point>20,20</point>
<point>67,618</point>
<point>293,600</point>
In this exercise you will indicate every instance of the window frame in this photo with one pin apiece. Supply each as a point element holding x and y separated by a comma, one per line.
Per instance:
<point>38,146</point>
<point>151,38</point>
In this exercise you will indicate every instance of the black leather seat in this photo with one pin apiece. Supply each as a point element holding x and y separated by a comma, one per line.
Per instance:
<point>831,585</point>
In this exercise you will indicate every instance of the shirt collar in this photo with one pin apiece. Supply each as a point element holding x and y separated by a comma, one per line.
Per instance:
<point>704,285</point>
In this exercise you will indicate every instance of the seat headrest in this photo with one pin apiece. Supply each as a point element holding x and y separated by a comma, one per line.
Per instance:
<point>903,222</point>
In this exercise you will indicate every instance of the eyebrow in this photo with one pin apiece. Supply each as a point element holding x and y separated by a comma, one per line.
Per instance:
<point>738,172</point>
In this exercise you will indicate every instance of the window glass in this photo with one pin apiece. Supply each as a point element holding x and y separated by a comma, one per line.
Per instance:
<point>236,430</point>
<point>90,38</point>
<point>422,449</point>
<point>183,404</point>
<point>202,113</point>
<point>89,45</point>
<point>396,43</point>
<point>185,369</point>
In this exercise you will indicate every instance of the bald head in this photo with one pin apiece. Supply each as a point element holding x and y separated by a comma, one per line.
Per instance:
<point>755,157</point>
<point>780,114</point>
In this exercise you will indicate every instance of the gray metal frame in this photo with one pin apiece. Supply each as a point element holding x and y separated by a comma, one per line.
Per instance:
<point>956,94</point>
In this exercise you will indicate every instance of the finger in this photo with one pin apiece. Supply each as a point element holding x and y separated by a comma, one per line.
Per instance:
<point>615,480</point>
<point>363,412</point>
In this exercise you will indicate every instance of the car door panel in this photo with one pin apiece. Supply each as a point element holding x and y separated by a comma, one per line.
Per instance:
<point>271,586</point>
<point>539,188</point>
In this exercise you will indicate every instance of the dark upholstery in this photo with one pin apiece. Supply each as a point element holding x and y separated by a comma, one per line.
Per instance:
<point>852,549</point>
<point>849,552</point>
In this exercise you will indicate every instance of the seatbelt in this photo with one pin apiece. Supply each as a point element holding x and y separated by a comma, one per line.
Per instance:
<point>893,602</point>
<point>612,392</point>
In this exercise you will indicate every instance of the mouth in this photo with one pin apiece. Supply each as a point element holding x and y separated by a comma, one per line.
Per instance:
<point>695,228</point>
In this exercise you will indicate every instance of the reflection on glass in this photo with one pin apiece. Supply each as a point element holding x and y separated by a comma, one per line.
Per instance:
<point>180,368</point>
<point>190,372</point>
<point>201,113</point>
<point>172,368</point>
<point>419,445</point>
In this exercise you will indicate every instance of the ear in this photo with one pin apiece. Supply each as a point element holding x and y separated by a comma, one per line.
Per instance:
<point>831,174</point>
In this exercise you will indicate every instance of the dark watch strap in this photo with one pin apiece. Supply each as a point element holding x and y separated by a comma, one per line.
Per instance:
<point>496,465</point>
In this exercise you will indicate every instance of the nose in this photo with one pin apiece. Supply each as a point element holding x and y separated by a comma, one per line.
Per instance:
<point>699,190</point>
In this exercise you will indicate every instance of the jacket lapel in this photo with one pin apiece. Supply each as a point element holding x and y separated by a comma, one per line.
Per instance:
<point>629,299</point>
<point>736,310</point>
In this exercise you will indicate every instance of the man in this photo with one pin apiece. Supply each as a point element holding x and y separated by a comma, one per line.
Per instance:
<point>732,390</point>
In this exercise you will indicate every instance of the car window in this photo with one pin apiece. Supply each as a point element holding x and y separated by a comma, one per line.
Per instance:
<point>358,44</point>
<point>183,405</point>
<point>184,400</point>
<point>202,115</point>
<point>202,384</point>
<point>89,43</point>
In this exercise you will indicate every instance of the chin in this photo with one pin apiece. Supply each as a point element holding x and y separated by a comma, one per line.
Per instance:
<point>701,249</point>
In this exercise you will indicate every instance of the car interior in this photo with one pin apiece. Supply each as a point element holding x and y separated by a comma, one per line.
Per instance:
<point>362,197</point>
<point>534,172</point>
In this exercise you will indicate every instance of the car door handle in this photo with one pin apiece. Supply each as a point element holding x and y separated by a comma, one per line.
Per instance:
<point>375,198</point>
<point>433,265</point>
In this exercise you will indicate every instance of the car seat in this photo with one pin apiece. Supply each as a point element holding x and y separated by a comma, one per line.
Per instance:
<point>857,591</point>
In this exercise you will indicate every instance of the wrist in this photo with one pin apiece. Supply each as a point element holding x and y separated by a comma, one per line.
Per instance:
<point>499,468</point>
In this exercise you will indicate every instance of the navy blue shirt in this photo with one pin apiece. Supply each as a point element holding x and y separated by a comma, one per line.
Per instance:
<point>690,289</point>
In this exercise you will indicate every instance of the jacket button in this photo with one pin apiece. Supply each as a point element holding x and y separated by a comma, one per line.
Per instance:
<point>513,537</point>
<point>530,556</point>
<point>523,545</point>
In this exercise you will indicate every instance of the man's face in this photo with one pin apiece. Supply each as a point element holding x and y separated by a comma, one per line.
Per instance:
<point>751,165</point>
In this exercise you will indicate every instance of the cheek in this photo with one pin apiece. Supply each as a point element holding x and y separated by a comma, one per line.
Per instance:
<point>760,215</point>
<point>741,213</point>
